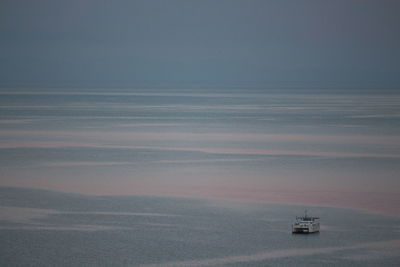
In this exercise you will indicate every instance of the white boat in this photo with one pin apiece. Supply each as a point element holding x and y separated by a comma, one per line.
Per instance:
<point>305,224</point>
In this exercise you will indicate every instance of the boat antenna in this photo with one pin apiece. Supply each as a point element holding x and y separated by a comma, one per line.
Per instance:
<point>305,213</point>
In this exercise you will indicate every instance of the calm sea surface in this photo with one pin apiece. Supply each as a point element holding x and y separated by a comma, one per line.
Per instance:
<point>45,228</point>
<point>306,148</point>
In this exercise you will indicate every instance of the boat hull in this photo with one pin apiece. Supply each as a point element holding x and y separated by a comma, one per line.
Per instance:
<point>305,230</point>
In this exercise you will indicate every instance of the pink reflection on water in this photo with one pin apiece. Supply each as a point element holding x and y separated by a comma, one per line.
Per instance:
<point>377,202</point>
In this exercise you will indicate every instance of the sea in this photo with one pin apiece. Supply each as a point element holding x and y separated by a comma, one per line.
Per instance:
<point>49,228</point>
<point>199,176</point>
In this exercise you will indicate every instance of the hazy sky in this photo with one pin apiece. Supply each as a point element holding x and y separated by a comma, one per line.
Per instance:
<point>186,41</point>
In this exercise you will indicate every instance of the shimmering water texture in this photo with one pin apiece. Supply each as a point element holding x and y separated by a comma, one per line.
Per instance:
<point>46,228</point>
<point>294,146</point>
